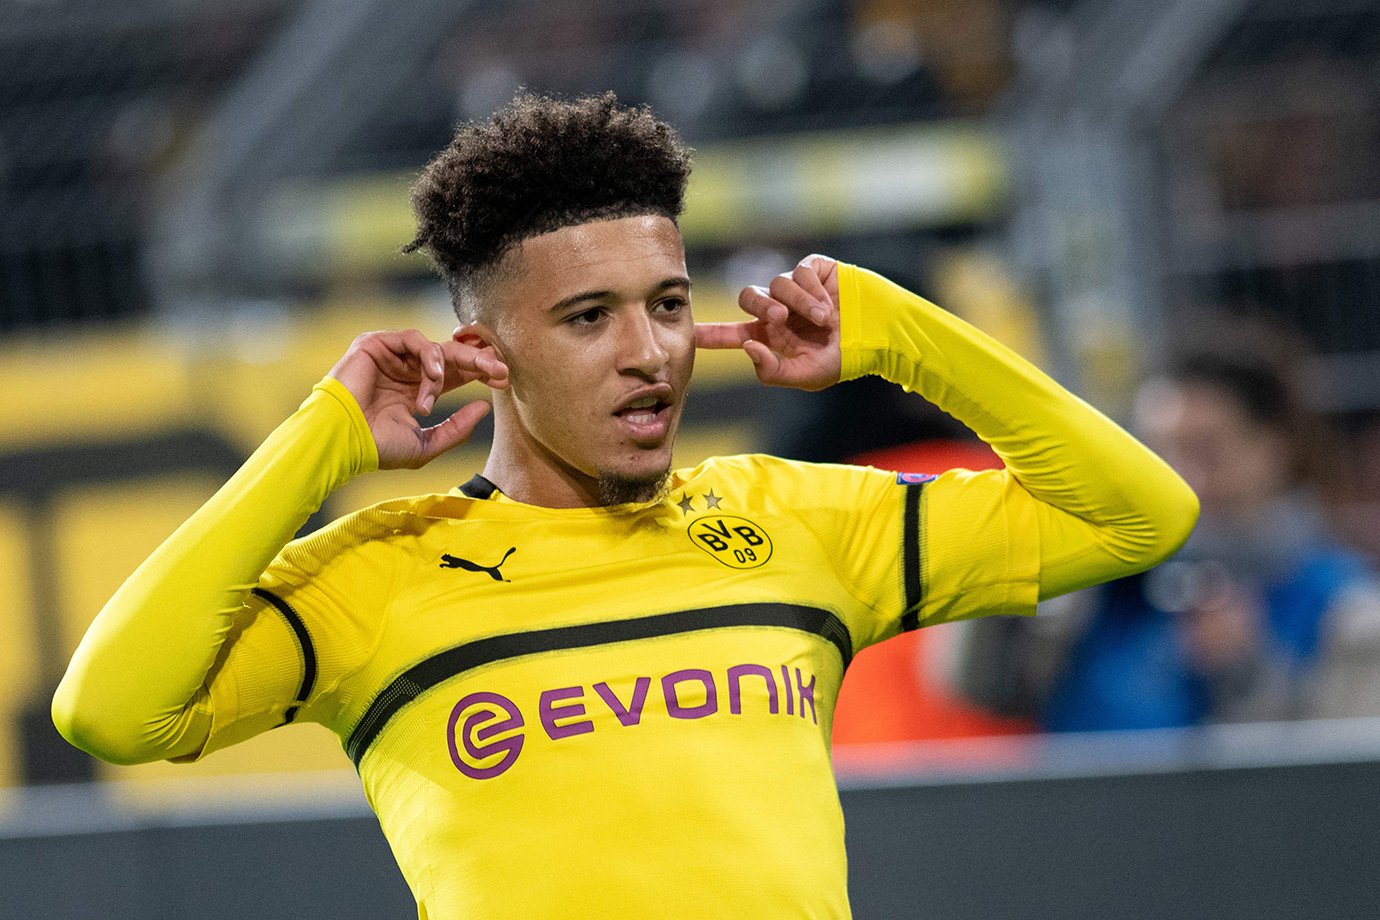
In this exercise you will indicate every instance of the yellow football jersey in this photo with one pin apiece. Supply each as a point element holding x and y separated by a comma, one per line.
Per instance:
<point>627,706</point>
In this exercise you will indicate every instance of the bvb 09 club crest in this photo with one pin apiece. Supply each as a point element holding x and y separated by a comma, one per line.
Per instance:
<point>736,542</point>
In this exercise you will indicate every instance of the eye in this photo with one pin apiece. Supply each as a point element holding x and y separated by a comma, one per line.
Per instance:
<point>670,305</point>
<point>586,317</point>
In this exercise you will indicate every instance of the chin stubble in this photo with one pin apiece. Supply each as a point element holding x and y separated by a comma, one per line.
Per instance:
<point>622,490</point>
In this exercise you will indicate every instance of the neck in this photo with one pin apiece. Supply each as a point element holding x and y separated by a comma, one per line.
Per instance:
<point>527,472</point>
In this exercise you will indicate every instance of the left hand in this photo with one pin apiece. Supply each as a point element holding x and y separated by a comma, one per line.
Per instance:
<point>793,340</point>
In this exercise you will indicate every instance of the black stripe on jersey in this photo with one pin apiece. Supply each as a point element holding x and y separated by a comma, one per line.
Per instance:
<point>299,629</point>
<point>910,557</point>
<point>453,662</point>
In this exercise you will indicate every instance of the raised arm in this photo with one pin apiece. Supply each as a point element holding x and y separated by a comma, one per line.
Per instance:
<point>1105,506</point>
<point>136,689</point>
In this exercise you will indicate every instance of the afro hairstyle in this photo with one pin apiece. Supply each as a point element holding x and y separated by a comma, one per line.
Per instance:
<point>538,165</point>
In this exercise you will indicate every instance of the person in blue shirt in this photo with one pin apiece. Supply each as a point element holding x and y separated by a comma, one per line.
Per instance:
<point>1261,615</point>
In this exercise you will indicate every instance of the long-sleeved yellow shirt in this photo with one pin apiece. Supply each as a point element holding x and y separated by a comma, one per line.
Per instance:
<point>612,711</point>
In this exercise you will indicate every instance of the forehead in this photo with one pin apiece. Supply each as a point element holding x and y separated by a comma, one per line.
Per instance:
<point>605,255</point>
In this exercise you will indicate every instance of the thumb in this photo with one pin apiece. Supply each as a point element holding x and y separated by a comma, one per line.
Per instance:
<point>454,431</point>
<point>764,360</point>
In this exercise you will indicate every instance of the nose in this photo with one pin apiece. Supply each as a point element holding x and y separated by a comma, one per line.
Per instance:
<point>641,349</point>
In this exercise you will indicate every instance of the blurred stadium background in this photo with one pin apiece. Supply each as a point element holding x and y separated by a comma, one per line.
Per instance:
<point>201,203</point>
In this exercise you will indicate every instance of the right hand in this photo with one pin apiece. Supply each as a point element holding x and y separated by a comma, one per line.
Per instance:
<point>396,376</point>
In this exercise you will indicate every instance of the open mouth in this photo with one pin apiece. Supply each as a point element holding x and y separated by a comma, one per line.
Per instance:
<point>647,418</point>
<point>644,411</point>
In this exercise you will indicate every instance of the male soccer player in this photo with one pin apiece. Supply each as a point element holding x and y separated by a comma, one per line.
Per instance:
<point>580,684</point>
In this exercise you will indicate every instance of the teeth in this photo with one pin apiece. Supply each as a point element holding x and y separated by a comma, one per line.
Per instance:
<point>645,402</point>
<point>642,418</point>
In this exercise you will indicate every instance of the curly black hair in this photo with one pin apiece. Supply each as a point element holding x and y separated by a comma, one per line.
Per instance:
<point>538,165</point>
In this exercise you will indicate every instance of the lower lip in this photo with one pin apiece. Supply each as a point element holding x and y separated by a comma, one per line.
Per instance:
<point>649,433</point>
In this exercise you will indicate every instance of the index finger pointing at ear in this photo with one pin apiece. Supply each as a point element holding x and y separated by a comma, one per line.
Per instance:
<point>466,362</point>
<point>722,335</point>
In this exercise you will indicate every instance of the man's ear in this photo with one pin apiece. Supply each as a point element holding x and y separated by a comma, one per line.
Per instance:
<point>478,335</point>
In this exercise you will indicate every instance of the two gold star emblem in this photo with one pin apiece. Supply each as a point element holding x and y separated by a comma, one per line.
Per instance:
<point>710,501</point>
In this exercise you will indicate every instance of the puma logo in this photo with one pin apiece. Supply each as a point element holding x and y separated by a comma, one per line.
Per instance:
<point>455,562</point>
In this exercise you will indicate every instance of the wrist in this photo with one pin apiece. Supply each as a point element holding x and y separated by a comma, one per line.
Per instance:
<point>874,314</point>
<point>334,396</point>
<point>854,357</point>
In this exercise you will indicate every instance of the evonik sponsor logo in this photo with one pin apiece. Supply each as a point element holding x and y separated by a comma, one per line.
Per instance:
<point>484,725</point>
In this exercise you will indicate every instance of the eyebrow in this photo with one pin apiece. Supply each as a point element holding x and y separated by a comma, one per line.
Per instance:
<point>573,299</point>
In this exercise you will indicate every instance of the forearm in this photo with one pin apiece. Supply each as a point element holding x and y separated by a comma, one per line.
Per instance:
<point>1105,504</point>
<point>135,688</point>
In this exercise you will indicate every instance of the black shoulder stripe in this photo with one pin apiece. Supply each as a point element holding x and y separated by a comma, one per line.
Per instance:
<point>299,629</point>
<point>453,662</point>
<point>910,557</point>
<point>478,487</point>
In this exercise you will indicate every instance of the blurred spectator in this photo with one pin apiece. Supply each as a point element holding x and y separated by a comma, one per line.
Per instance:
<point>1357,493</point>
<point>1261,616</point>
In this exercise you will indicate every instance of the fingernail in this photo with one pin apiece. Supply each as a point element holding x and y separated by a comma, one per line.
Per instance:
<point>427,404</point>
<point>820,315</point>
